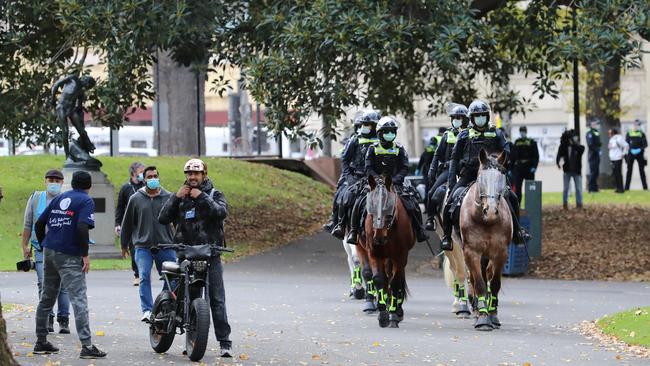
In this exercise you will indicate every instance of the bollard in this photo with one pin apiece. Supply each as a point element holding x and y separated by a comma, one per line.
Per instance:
<point>533,206</point>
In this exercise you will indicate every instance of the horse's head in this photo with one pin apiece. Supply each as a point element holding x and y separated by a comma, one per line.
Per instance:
<point>380,205</point>
<point>491,184</point>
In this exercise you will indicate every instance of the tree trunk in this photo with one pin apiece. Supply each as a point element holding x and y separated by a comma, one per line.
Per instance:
<point>603,102</point>
<point>179,108</point>
<point>6,357</point>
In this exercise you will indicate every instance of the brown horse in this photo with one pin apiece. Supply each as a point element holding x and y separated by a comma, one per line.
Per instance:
<point>486,231</point>
<point>384,248</point>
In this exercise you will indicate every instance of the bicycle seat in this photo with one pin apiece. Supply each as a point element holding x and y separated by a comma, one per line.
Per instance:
<point>171,267</point>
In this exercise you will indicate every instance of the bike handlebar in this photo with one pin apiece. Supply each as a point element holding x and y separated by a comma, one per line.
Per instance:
<point>181,246</point>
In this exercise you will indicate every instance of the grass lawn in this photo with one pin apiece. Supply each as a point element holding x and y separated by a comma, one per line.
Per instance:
<point>632,326</point>
<point>604,197</point>
<point>250,189</point>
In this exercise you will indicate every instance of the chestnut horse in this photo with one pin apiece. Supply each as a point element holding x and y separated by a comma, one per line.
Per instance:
<point>384,247</point>
<point>486,231</point>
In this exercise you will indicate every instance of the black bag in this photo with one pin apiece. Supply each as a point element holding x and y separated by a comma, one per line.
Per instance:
<point>198,252</point>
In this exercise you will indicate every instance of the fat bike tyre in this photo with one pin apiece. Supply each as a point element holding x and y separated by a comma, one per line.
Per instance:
<point>196,336</point>
<point>162,307</point>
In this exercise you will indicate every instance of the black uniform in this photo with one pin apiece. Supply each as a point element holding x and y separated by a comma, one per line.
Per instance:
<point>127,190</point>
<point>427,156</point>
<point>465,162</point>
<point>200,221</point>
<point>594,144</point>
<point>525,158</point>
<point>352,174</point>
<point>392,160</point>
<point>439,171</point>
<point>638,142</point>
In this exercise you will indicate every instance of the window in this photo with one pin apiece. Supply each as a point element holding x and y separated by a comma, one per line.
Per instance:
<point>139,144</point>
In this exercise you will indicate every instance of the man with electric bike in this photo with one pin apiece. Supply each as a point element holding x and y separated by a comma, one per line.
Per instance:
<point>198,211</point>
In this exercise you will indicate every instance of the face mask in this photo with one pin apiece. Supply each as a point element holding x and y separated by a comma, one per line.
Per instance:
<point>153,183</point>
<point>389,136</point>
<point>456,123</point>
<point>140,177</point>
<point>364,130</point>
<point>54,188</point>
<point>523,135</point>
<point>480,121</point>
<point>575,139</point>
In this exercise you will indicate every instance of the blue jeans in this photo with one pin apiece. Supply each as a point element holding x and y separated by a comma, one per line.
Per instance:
<point>63,309</point>
<point>144,259</point>
<point>577,181</point>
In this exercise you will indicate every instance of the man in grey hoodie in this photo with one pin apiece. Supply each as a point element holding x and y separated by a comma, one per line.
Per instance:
<point>140,228</point>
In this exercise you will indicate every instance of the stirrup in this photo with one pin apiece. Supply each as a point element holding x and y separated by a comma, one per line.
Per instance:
<point>446,243</point>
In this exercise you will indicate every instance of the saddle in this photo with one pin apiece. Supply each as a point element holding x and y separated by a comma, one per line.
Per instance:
<point>457,201</point>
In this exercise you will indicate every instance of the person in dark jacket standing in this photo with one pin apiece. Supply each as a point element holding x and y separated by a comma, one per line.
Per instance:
<point>141,229</point>
<point>136,181</point>
<point>638,143</point>
<point>429,151</point>
<point>570,152</point>
<point>594,144</point>
<point>68,218</point>
<point>198,211</point>
<point>525,159</point>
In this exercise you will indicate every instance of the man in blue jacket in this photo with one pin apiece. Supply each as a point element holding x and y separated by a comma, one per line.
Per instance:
<point>68,218</point>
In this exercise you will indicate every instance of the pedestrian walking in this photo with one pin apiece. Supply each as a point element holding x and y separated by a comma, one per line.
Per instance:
<point>36,205</point>
<point>638,142</point>
<point>570,153</point>
<point>593,156</point>
<point>618,148</point>
<point>68,218</point>
<point>136,181</point>
<point>141,229</point>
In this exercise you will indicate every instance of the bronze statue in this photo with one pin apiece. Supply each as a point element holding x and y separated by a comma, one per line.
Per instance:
<point>70,107</point>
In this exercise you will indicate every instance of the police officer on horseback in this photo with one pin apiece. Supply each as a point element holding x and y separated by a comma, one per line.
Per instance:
<point>438,173</point>
<point>387,157</point>
<point>353,167</point>
<point>465,161</point>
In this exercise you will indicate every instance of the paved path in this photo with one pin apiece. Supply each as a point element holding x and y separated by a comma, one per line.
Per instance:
<point>290,307</point>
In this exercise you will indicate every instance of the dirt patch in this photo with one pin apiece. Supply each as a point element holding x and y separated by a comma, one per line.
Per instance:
<point>596,243</point>
<point>252,231</point>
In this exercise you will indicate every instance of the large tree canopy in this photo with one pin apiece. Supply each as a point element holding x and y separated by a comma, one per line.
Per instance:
<point>301,57</point>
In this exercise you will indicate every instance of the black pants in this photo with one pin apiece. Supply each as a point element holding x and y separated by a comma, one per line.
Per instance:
<point>218,303</point>
<point>519,173</point>
<point>630,166</point>
<point>618,174</point>
<point>594,171</point>
<point>432,206</point>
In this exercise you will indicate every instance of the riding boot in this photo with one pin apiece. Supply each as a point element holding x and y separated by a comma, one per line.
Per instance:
<point>417,224</point>
<point>431,223</point>
<point>354,224</point>
<point>447,226</point>
<point>332,221</point>
<point>339,229</point>
<point>519,234</point>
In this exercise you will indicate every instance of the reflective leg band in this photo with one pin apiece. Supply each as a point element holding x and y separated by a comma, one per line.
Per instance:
<point>382,296</point>
<point>357,275</point>
<point>493,303</point>
<point>482,308</point>
<point>456,288</point>
<point>393,304</point>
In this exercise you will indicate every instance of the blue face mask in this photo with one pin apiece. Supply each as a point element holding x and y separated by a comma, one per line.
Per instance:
<point>140,177</point>
<point>364,130</point>
<point>389,136</point>
<point>54,188</point>
<point>480,121</point>
<point>153,183</point>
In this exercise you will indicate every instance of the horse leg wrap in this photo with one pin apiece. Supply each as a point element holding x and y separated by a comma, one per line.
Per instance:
<point>370,288</point>
<point>393,304</point>
<point>383,296</point>
<point>356,278</point>
<point>482,305</point>
<point>456,289</point>
<point>493,303</point>
<point>462,294</point>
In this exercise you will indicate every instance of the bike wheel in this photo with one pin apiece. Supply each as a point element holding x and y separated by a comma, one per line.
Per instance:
<point>196,337</point>
<point>159,335</point>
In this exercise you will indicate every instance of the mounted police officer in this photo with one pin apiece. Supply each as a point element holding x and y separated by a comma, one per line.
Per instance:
<point>525,158</point>
<point>438,173</point>
<point>464,160</point>
<point>594,144</point>
<point>638,143</point>
<point>353,167</point>
<point>429,151</point>
<point>386,157</point>
<point>342,184</point>
<point>198,211</point>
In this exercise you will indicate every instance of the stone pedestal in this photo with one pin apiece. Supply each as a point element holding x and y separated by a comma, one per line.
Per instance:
<point>103,193</point>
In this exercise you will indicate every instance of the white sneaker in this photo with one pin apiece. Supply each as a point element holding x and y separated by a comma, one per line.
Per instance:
<point>145,316</point>
<point>225,352</point>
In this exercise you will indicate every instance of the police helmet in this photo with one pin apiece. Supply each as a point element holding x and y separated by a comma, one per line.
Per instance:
<point>370,116</point>
<point>357,119</point>
<point>456,110</point>
<point>387,124</point>
<point>478,107</point>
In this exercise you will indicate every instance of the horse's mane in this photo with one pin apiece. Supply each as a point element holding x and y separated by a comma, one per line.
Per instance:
<point>493,163</point>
